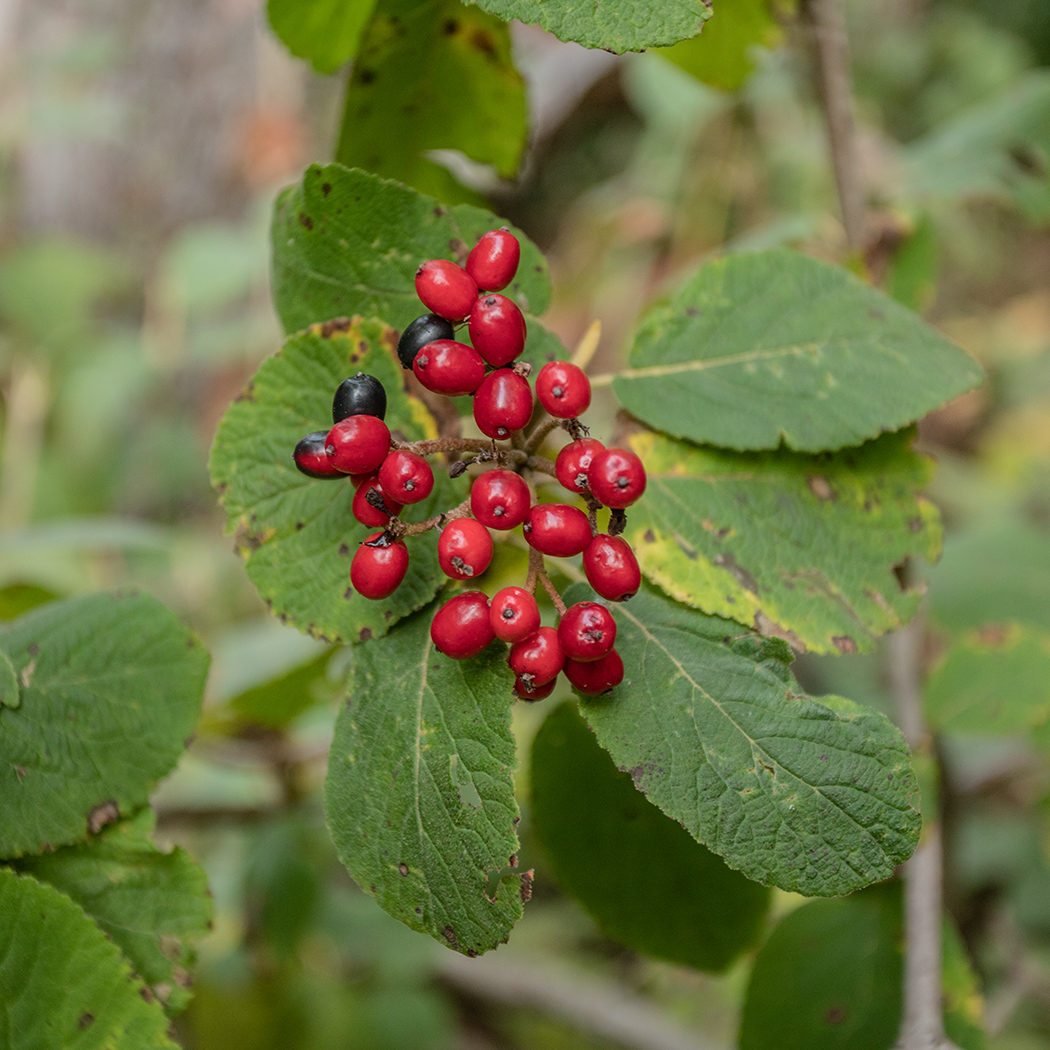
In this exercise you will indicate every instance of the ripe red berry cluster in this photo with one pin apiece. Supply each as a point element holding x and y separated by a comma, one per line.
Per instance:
<point>390,474</point>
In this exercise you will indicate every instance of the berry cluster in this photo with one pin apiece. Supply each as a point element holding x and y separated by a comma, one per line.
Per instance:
<point>390,474</point>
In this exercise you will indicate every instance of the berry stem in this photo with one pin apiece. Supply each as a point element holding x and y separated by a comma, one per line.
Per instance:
<point>617,522</point>
<point>552,591</point>
<point>535,568</point>
<point>542,465</point>
<point>450,444</point>
<point>543,426</point>
<point>398,529</point>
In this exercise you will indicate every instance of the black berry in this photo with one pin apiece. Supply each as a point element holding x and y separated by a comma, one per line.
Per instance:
<point>424,329</point>
<point>360,395</point>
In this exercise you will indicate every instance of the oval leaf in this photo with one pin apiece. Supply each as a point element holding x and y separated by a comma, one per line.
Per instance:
<point>420,792</point>
<point>775,347</point>
<point>297,534</point>
<point>326,32</point>
<point>799,547</point>
<point>111,691</point>
<point>643,877</point>
<point>63,982</point>
<point>812,796</point>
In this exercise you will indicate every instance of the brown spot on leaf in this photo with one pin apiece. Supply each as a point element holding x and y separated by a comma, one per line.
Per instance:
<point>403,868</point>
<point>344,550</point>
<point>740,574</point>
<point>484,42</point>
<point>513,860</point>
<point>326,188</point>
<point>844,643</point>
<point>764,625</point>
<point>836,1015</point>
<point>305,221</point>
<point>450,935</point>
<point>300,525</point>
<point>33,649</point>
<point>103,814</point>
<point>526,885</point>
<point>366,76</point>
<point>365,633</point>
<point>915,524</point>
<point>451,26</point>
<point>85,1020</point>
<point>649,537</point>
<point>820,488</point>
<point>336,326</point>
<point>994,634</point>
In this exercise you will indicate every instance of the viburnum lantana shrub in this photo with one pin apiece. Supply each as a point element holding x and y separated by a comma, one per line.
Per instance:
<point>772,396</point>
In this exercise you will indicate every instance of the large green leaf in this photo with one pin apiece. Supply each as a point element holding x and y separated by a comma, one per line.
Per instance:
<point>829,978</point>
<point>412,53</point>
<point>111,688</point>
<point>347,242</point>
<point>801,547</point>
<point>297,534</point>
<point>615,25</point>
<point>420,793</point>
<point>62,982</point>
<point>644,878</point>
<point>815,796</point>
<point>775,347</point>
<point>149,903</point>
<point>326,32</point>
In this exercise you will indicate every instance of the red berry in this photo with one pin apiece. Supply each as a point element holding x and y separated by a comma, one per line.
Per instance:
<point>366,512</point>
<point>460,628</point>
<point>538,656</point>
<point>611,567</point>
<point>464,549</point>
<point>595,676</point>
<point>311,458</point>
<point>448,367</point>
<point>358,444</point>
<point>616,477</point>
<point>500,499</point>
<point>497,329</point>
<point>557,529</point>
<point>406,477</point>
<point>574,461</point>
<point>493,261</point>
<point>446,289</point>
<point>587,631</point>
<point>502,403</point>
<point>377,571</point>
<point>514,614</point>
<point>524,691</point>
<point>563,389</point>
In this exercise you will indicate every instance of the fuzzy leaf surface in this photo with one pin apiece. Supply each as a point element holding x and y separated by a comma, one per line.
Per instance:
<point>648,883</point>
<point>813,796</point>
<point>62,981</point>
<point>347,242</point>
<point>796,546</point>
<point>420,793</point>
<point>151,904</point>
<point>326,32</point>
<point>615,25</point>
<point>412,51</point>
<point>111,688</point>
<point>775,347</point>
<point>297,534</point>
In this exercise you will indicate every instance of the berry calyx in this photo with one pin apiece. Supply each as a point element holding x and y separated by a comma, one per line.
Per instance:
<point>500,499</point>
<point>497,329</point>
<point>595,676</point>
<point>406,477</point>
<point>446,289</point>
<point>586,632</point>
<point>563,389</point>
<point>460,628</point>
<point>464,549</point>
<point>493,261</point>
<point>311,458</point>
<point>616,477</point>
<point>538,658</point>
<point>449,368</point>
<point>557,529</point>
<point>360,395</point>
<point>424,329</point>
<point>502,403</point>
<point>379,566</point>
<point>358,444</point>
<point>524,691</point>
<point>514,614</point>
<point>611,567</point>
<point>364,507</point>
<point>574,462</point>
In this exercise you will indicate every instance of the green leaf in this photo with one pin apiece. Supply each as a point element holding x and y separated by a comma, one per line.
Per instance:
<point>991,682</point>
<point>276,703</point>
<point>615,25</point>
<point>414,51</point>
<point>420,792</point>
<point>775,347</point>
<point>648,883</point>
<point>722,55</point>
<point>111,691</point>
<point>150,904</point>
<point>62,982</point>
<point>10,690</point>
<point>347,242</point>
<point>829,978</point>
<point>18,598</point>
<point>326,32</point>
<point>814,796</point>
<point>297,534</point>
<point>800,547</point>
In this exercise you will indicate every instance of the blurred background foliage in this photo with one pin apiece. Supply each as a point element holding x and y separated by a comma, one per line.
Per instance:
<point>140,148</point>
